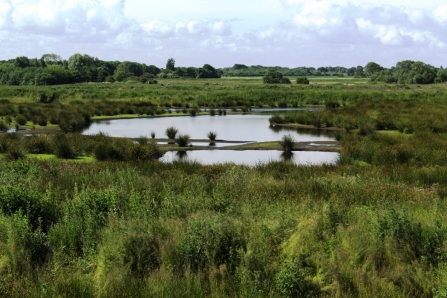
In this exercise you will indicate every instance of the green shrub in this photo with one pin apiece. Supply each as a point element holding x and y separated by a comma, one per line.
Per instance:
<point>21,119</point>
<point>171,132</point>
<point>302,80</point>
<point>62,147</point>
<point>142,140</point>
<point>182,140</point>
<point>287,142</point>
<point>39,144</point>
<point>212,135</point>
<point>137,152</point>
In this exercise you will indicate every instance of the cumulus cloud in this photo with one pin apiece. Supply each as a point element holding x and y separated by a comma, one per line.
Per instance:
<point>320,29</point>
<point>385,24</point>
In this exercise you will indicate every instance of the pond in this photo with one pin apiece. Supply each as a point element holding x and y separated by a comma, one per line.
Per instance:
<point>243,128</point>
<point>253,127</point>
<point>251,157</point>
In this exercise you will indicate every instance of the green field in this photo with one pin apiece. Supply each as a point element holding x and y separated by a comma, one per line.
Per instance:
<point>94,216</point>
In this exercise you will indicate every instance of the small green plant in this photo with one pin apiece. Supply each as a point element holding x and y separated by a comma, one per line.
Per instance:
<point>171,132</point>
<point>142,140</point>
<point>3,126</point>
<point>21,120</point>
<point>212,135</point>
<point>287,142</point>
<point>182,140</point>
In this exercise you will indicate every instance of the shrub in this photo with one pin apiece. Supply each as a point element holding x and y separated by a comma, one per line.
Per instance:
<point>142,140</point>
<point>302,80</point>
<point>15,152</point>
<point>21,120</point>
<point>287,143</point>
<point>3,126</point>
<point>182,140</point>
<point>212,135</point>
<point>153,134</point>
<point>171,132</point>
<point>39,144</point>
<point>63,149</point>
<point>137,152</point>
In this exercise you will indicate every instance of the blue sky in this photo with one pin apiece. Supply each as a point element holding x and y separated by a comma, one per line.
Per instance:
<point>267,32</point>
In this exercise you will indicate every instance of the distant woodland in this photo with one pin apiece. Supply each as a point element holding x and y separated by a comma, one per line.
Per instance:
<point>51,69</point>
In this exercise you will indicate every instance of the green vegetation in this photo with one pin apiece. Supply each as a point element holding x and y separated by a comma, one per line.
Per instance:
<point>212,135</point>
<point>182,140</point>
<point>128,225</point>
<point>287,142</point>
<point>171,132</point>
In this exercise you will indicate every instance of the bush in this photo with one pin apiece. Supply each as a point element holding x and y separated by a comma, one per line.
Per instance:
<point>63,148</point>
<point>142,140</point>
<point>143,152</point>
<point>21,120</point>
<point>182,140</point>
<point>3,126</point>
<point>39,144</point>
<point>171,132</point>
<point>212,135</point>
<point>302,80</point>
<point>287,143</point>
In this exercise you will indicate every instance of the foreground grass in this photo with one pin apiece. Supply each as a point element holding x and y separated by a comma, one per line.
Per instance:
<point>152,229</point>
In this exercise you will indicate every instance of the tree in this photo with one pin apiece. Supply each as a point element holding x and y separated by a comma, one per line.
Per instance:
<point>78,61</point>
<point>21,62</point>
<point>359,72</point>
<point>302,80</point>
<point>170,64</point>
<point>273,76</point>
<point>52,59</point>
<point>372,68</point>
<point>130,67</point>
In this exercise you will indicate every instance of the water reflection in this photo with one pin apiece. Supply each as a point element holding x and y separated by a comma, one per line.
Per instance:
<point>182,155</point>
<point>231,127</point>
<point>287,156</point>
<point>251,157</point>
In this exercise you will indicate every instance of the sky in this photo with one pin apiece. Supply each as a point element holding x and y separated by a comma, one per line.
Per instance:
<point>287,33</point>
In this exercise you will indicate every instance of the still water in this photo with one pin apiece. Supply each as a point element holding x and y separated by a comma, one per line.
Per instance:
<point>250,127</point>
<point>251,157</point>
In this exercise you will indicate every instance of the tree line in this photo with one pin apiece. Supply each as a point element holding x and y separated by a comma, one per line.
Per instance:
<point>241,70</point>
<point>51,69</point>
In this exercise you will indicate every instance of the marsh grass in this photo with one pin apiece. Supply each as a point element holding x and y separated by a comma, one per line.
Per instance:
<point>212,135</point>
<point>182,140</point>
<point>171,132</point>
<point>370,226</point>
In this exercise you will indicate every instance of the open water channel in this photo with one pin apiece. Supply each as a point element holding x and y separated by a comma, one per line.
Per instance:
<point>241,128</point>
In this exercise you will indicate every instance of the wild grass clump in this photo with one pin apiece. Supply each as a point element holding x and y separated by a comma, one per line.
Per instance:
<point>287,143</point>
<point>143,140</point>
<point>39,144</point>
<point>63,148</point>
<point>212,135</point>
<point>3,126</point>
<point>182,140</point>
<point>171,132</point>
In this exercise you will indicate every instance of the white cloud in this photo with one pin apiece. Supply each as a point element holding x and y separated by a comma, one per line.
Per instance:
<point>441,13</point>
<point>323,32</point>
